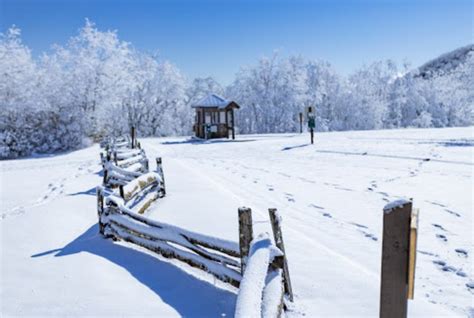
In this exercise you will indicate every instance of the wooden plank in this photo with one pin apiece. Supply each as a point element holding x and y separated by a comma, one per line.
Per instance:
<point>209,242</point>
<point>155,234</point>
<point>159,168</point>
<point>395,245</point>
<point>226,124</point>
<point>100,209</point>
<point>245,235</point>
<point>412,254</point>
<point>219,271</point>
<point>132,133</point>
<point>233,124</point>
<point>278,236</point>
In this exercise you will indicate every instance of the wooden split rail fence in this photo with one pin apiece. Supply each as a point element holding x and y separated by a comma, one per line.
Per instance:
<point>254,265</point>
<point>257,266</point>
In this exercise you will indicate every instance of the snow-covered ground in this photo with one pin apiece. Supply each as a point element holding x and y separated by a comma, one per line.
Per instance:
<point>330,196</point>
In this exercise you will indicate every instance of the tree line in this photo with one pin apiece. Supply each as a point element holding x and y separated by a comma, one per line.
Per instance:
<point>97,85</point>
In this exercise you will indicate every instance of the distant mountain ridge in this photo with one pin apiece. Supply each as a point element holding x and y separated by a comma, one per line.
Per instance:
<point>445,63</point>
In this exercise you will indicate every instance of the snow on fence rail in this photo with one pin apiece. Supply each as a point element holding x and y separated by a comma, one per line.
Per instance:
<point>266,279</point>
<point>122,161</point>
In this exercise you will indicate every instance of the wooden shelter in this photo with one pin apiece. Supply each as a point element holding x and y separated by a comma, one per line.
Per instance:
<point>214,117</point>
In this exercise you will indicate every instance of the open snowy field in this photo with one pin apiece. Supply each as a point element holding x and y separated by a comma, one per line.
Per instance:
<point>330,196</point>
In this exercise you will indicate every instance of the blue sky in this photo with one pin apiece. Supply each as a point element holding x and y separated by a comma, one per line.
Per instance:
<point>217,37</point>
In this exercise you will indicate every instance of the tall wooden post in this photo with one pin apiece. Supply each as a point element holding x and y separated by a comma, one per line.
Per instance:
<point>412,254</point>
<point>233,124</point>
<point>100,209</point>
<point>301,123</point>
<point>132,133</point>
<point>278,236</point>
<point>227,122</point>
<point>395,252</point>
<point>245,235</point>
<point>311,122</point>
<point>159,168</point>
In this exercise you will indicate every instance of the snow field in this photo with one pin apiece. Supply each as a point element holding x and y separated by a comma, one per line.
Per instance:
<point>330,197</point>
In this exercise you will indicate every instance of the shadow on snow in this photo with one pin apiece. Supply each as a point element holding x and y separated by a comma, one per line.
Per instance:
<point>195,141</point>
<point>293,147</point>
<point>91,191</point>
<point>188,295</point>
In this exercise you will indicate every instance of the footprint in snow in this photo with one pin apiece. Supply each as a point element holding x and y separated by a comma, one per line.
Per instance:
<point>442,237</point>
<point>461,273</point>
<point>439,262</point>
<point>437,203</point>
<point>307,180</point>
<point>449,269</point>
<point>461,252</point>
<point>344,189</point>
<point>427,253</point>
<point>359,225</point>
<point>452,212</point>
<point>289,197</point>
<point>369,235</point>
<point>316,206</point>
<point>439,227</point>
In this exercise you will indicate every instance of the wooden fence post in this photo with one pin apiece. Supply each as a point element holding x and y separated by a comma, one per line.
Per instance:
<point>146,165</point>
<point>301,123</point>
<point>245,235</point>
<point>100,209</point>
<point>395,251</point>
<point>132,133</point>
<point>278,236</point>
<point>412,255</point>
<point>159,167</point>
<point>105,177</point>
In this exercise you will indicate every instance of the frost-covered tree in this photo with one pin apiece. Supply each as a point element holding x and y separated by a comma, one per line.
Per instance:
<point>455,94</point>
<point>96,68</point>
<point>156,105</point>
<point>271,94</point>
<point>325,91</point>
